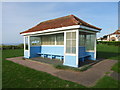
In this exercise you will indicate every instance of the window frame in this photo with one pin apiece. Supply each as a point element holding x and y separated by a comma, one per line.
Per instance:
<point>31,40</point>
<point>58,37</point>
<point>26,43</point>
<point>71,39</point>
<point>55,38</point>
<point>91,43</point>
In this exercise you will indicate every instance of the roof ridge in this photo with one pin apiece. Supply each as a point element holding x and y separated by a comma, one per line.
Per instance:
<point>83,23</point>
<point>75,20</point>
<point>81,20</point>
<point>55,18</point>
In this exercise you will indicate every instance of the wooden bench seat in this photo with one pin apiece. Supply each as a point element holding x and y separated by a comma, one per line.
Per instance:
<point>82,58</point>
<point>49,54</point>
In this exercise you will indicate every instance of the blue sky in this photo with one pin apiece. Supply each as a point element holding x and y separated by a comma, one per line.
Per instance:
<point>20,16</point>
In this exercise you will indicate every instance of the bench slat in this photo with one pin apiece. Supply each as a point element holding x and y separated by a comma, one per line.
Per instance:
<point>84,56</point>
<point>49,54</point>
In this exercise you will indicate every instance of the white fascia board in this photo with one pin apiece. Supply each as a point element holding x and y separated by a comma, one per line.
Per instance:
<point>61,29</point>
<point>88,28</point>
<point>52,30</point>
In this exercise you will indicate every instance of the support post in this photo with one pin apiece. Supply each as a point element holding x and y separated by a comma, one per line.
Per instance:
<point>77,47</point>
<point>64,46</point>
<point>24,42</point>
<point>95,48</point>
<point>29,46</point>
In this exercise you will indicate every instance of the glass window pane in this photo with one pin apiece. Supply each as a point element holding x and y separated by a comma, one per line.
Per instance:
<point>60,39</point>
<point>26,43</point>
<point>52,40</point>
<point>90,41</point>
<point>71,42</point>
<point>68,46</point>
<point>74,46</point>
<point>48,40</point>
<point>35,41</point>
<point>68,35</point>
<point>44,40</point>
<point>82,40</point>
<point>73,35</point>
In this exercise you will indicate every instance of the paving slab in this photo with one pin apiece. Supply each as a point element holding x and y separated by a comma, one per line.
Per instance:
<point>87,78</point>
<point>90,76</point>
<point>47,60</point>
<point>34,65</point>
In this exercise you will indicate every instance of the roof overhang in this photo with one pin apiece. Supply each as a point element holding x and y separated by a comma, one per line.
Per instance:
<point>61,29</point>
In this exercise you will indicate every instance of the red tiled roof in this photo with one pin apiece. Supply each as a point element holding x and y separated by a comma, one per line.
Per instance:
<point>59,22</point>
<point>117,32</point>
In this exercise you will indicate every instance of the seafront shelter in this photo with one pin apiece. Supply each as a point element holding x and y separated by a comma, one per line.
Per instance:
<point>67,38</point>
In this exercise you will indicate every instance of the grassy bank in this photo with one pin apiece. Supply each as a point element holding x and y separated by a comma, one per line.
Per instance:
<point>116,67</point>
<point>107,82</point>
<point>18,76</point>
<point>109,52</point>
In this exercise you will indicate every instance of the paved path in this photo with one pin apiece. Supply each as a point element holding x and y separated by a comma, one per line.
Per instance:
<point>35,65</point>
<point>86,78</point>
<point>47,60</point>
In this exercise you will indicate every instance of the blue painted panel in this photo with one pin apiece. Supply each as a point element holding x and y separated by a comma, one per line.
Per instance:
<point>34,50</point>
<point>92,55</point>
<point>82,51</point>
<point>70,61</point>
<point>57,50</point>
<point>26,54</point>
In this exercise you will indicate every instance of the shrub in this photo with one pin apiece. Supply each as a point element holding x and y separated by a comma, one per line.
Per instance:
<point>5,47</point>
<point>116,43</point>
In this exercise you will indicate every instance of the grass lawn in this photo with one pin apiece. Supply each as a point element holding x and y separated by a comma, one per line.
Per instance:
<point>107,82</point>
<point>109,52</point>
<point>116,67</point>
<point>18,76</point>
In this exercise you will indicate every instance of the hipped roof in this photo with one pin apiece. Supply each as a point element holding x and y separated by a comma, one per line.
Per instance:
<point>65,21</point>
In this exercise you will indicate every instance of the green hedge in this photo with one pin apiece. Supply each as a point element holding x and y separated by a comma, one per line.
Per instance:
<point>5,47</point>
<point>116,43</point>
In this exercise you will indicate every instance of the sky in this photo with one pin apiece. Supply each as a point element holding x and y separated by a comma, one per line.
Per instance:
<point>20,16</point>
